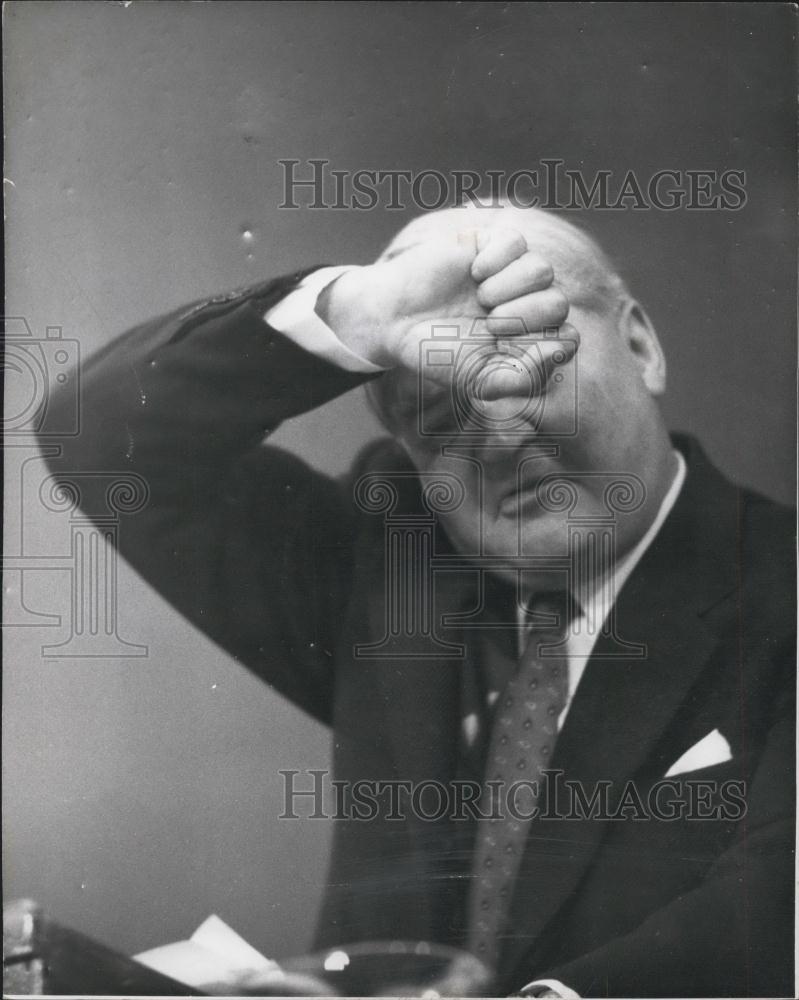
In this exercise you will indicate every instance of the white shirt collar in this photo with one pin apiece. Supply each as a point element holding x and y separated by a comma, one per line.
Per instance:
<point>598,598</point>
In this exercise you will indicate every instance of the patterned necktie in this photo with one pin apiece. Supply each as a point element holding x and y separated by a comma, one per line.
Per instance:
<point>523,736</point>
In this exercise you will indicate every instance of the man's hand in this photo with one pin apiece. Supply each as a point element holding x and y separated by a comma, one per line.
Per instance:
<point>385,311</point>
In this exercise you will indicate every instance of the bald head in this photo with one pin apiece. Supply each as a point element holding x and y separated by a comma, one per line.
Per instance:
<point>582,269</point>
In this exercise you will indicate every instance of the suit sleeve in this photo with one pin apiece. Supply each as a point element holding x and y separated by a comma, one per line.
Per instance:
<point>243,539</point>
<point>733,934</point>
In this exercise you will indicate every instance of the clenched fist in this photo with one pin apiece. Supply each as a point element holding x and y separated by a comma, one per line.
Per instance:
<point>384,312</point>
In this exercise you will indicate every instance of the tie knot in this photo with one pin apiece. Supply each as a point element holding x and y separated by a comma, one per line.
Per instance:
<point>548,614</point>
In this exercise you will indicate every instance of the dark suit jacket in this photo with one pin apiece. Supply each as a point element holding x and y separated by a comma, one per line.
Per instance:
<point>275,563</point>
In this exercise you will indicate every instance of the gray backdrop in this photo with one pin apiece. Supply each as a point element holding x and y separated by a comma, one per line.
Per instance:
<point>142,794</point>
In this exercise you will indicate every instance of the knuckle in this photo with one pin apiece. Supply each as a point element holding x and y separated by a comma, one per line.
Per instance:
<point>569,332</point>
<point>539,269</point>
<point>559,304</point>
<point>499,311</point>
<point>546,273</point>
<point>516,243</point>
<point>508,329</point>
<point>508,311</point>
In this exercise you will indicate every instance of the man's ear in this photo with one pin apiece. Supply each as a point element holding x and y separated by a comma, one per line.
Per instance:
<point>639,334</point>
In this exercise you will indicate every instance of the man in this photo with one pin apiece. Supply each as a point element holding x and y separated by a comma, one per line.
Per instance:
<point>636,644</point>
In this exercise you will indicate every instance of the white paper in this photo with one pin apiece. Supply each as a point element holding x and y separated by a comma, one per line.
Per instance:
<point>215,956</point>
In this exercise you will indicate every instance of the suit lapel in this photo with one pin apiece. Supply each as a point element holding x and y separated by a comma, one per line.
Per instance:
<point>415,703</point>
<point>622,707</point>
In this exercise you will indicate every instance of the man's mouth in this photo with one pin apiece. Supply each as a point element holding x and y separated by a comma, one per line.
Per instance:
<point>520,498</point>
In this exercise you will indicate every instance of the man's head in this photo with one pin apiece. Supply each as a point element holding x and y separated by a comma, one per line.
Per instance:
<point>581,266</point>
<point>596,414</point>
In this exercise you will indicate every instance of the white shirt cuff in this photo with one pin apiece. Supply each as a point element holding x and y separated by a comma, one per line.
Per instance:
<point>296,318</point>
<point>555,985</point>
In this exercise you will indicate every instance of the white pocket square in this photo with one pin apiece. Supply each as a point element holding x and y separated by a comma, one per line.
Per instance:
<point>711,749</point>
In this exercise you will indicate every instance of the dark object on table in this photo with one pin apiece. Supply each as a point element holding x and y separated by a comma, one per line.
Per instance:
<point>40,956</point>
